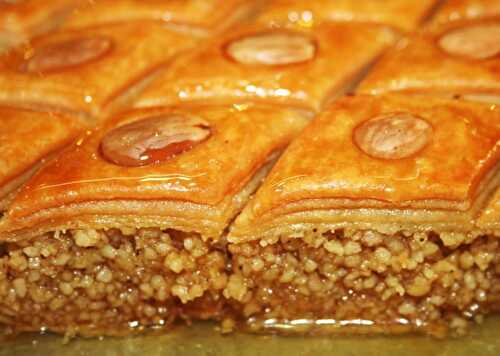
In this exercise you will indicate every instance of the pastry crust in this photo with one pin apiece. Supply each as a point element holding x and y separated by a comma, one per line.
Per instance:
<point>199,17</point>
<point>490,217</point>
<point>460,10</point>
<point>199,190</point>
<point>27,139</point>
<point>315,73</point>
<point>421,65</point>
<point>24,19</point>
<point>345,186</point>
<point>400,14</point>
<point>116,62</point>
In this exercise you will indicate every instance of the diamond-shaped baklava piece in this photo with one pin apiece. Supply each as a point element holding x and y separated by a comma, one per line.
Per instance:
<point>301,69</point>
<point>370,215</point>
<point>90,72</point>
<point>125,229</point>
<point>462,60</point>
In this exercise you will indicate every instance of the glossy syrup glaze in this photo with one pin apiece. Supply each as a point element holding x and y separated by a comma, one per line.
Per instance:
<point>325,163</point>
<point>307,82</point>
<point>210,171</point>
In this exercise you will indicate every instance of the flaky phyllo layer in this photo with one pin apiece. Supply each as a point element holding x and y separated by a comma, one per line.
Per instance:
<point>166,213</point>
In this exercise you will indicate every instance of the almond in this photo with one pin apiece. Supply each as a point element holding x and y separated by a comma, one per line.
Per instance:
<point>272,49</point>
<point>393,136</point>
<point>475,42</point>
<point>67,54</point>
<point>153,140</point>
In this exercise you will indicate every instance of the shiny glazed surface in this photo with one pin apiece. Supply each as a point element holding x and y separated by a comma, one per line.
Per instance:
<point>324,162</point>
<point>211,171</point>
<point>135,50</point>
<point>306,84</point>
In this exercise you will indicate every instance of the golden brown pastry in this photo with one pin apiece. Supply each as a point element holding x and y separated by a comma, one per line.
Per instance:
<point>368,221</point>
<point>462,61</point>
<point>401,14</point>
<point>302,69</point>
<point>21,20</point>
<point>126,226</point>
<point>490,217</point>
<point>460,10</point>
<point>27,139</point>
<point>91,72</point>
<point>198,17</point>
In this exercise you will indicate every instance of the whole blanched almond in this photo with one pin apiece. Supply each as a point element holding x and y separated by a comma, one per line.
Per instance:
<point>67,54</point>
<point>272,49</point>
<point>393,136</point>
<point>476,41</point>
<point>153,140</point>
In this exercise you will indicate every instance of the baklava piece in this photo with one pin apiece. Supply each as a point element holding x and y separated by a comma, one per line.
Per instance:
<point>198,17</point>
<point>27,139</point>
<point>463,10</point>
<point>461,61</point>
<point>300,69</point>
<point>21,20</point>
<point>368,222</point>
<point>124,230</point>
<point>401,14</point>
<point>91,72</point>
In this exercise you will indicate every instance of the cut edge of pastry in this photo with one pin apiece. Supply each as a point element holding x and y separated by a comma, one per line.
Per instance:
<point>97,215</point>
<point>321,215</point>
<point>182,259</point>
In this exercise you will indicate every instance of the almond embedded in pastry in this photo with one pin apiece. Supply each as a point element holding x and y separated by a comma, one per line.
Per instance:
<point>67,54</point>
<point>272,49</point>
<point>476,42</point>
<point>393,136</point>
<point>154,139</point>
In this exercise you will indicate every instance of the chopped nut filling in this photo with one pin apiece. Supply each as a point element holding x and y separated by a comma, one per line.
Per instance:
<point>403,282</point>
<point>109,282</point>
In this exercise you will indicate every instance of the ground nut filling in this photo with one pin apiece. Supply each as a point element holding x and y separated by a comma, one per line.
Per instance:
<point>364,280</point>
<point>109,282</point>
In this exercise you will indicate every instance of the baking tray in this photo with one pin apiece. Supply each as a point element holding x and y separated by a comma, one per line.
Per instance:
<point>204,339</point>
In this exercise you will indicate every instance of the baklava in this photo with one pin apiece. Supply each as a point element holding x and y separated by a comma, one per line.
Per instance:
<point>463,10</point>
<point>198,17</point>
<point>90,72</point>
<point>402,15</point>
<point>460,61</point>
<point>21,20</point>
<point>124,229</point>
<point>295,68</point>
<point>27,139</point>
<point>370,222</point>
